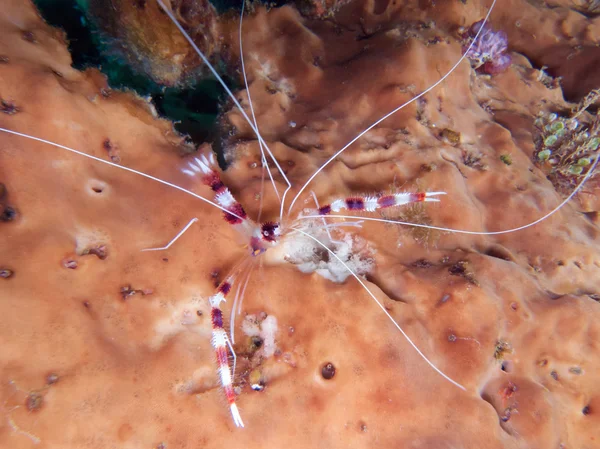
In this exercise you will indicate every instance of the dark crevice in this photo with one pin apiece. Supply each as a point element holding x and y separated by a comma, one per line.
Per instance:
<point>553,296</point>
<point>194,109</point>
<point>499,252</point>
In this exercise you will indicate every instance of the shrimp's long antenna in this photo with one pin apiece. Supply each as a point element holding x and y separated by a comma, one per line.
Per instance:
<point>112,164</point>
<point>262,151</point>
<point>587,176</point>
<point>389,114</point>
<point>381,306</point>
<point>235,101</point>
<point>239,300</point>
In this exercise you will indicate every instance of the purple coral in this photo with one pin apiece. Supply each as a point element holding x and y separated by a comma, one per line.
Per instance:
<point>488,54</point>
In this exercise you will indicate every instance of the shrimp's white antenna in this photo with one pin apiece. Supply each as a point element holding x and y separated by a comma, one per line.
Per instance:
<point>262,151</point>
<point>239,300</point>
<point>384,310</point>
<point>131,170</point>
<point>389,114</point>
<point>187,37</point>
<point>587,176</point>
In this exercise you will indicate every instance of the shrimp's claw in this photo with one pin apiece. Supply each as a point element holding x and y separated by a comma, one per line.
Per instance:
<point>373,203</point>
<point>429,195</point>
<point>237,419</point>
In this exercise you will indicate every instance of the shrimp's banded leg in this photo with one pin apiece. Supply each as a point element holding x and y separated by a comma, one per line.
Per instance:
<point>372,203</point>
<point>220,344</point>
<point>205,167</point>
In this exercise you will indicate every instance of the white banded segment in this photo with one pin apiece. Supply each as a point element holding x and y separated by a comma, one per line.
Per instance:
<point>200,164</point>
<point>205,167</point>
<point>372,203</point>
<point>220,344</point>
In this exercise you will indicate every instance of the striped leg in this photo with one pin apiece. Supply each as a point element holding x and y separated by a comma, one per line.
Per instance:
<point>236,216</point>
<point>372,203</point>
<point>206,168</point>
<point>220,344</point>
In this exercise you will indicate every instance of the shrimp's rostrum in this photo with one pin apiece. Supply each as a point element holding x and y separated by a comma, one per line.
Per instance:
<point>327,332</point>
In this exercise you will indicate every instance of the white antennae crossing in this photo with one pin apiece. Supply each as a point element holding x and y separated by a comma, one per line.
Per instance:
<point>239,299</point>
<point>262,151</point>
<point>384,311</point>
<point>112,164</point>
<point>174,239</point>
<point>220,80</point>
<point>389,114</point>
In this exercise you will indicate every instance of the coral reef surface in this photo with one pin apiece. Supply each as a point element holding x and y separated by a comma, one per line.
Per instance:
<point>104,345</point>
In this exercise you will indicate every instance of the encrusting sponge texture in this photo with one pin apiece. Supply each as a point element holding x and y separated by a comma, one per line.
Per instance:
<point>103,345</point>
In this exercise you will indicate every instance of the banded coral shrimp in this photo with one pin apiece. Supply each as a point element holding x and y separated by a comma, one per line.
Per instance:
<point>374,339</point>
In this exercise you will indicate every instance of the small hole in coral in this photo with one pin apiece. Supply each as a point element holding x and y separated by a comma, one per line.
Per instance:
<point>70,263</point>
<point>5,273</point>
<point>445,298</point>
<point>586,410</point>
<point>127,292</point>
<point>215,275</point>
<point>51,378</point>
<point>8,214</point>
<point>255,343</point>
<point>29,36</point>
<point>422,263</point>
<point>505,417</point>
<point>199,312</point>
<point>8,107</point>
<point>97,187</point>
<point>34,401</point>
<point>328,371</point>
<point>507,366</point>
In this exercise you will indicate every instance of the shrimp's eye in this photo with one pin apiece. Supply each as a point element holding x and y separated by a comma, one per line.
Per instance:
<point>269,231</point>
